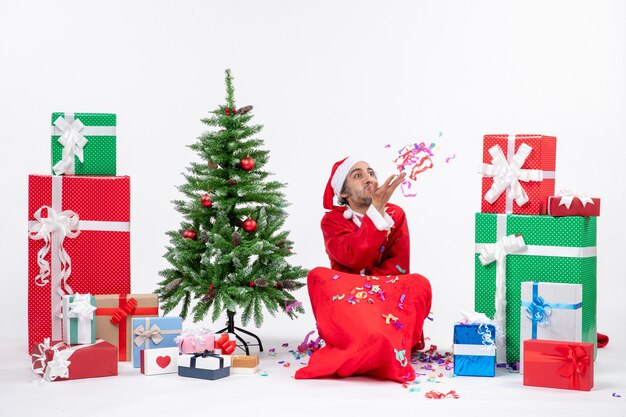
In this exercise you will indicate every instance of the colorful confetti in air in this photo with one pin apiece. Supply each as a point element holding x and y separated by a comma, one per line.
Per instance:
<point>415,159</point>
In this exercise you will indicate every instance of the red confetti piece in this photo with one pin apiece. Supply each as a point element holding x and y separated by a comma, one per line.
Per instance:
<point>436,395</point>
<point>287,365</point>
<point>408,185</point>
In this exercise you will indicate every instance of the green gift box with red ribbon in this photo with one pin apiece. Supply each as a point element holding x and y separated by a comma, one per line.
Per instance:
<point>114,313</point>
<point>511,249</point>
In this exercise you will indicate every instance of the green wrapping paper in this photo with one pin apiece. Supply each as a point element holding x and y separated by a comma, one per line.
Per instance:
<point>90,134</point>
<point>558,249</point>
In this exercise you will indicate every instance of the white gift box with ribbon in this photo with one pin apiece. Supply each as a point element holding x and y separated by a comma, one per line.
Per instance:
<point>550,311</point>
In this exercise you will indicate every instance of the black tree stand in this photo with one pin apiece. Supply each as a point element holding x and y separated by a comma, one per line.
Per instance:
<point>230,328</point>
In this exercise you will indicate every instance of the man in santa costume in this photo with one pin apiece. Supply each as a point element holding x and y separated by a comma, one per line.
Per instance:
<point>366,234</point>
<point>367,241</point>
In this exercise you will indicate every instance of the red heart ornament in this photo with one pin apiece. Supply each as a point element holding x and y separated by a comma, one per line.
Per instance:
<point>163,361</point>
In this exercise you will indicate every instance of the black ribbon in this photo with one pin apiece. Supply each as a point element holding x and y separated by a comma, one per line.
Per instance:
<point>205,354</point>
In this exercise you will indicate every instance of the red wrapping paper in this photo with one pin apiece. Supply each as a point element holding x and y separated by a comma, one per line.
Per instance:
<point>575,209</point>
<point>542,157</point>
<point>558,364</point>
<point>90,361</point>
<point>100,259</point>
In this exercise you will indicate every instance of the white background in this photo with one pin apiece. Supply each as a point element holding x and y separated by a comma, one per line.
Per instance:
<point>327,79</point>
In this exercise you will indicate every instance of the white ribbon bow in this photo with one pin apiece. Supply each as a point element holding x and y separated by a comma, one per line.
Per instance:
<point>154,333</point>
<point>567,196</point>
<point>73,143</point>
<point>497,252</point>
<point>65,225</point>
<point>508,175</point>
<point>58,367</point>
<point>81,308</point>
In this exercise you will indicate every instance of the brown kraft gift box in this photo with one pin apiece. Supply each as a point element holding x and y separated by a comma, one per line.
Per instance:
<point>114,313</point>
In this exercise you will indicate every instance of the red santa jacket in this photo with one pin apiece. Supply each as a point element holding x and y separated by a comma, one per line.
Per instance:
<point>353,249</point>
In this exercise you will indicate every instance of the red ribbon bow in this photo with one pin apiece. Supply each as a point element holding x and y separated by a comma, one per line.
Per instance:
<point>576,361</point>
<point>228,346</point>
<point>122,312</point>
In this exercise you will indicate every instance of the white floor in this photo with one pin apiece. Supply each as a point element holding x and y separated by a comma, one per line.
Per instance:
<point>277,393</point>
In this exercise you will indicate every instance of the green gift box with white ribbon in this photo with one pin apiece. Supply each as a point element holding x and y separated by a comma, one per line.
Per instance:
<point>84,144</point>
<point>511,249</point>
<point>79,319</point>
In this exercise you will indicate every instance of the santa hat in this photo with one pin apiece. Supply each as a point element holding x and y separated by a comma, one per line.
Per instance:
<point>338,175</point>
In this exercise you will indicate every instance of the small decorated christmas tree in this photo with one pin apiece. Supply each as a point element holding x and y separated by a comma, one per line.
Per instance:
<point>230,254</point>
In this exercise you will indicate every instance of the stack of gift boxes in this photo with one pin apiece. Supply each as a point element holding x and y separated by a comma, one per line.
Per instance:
<point>82,318</point>
<point>535,264</point>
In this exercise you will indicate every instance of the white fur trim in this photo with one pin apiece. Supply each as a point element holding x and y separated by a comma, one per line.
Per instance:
<point>341,173</point>
<point>382,222</point>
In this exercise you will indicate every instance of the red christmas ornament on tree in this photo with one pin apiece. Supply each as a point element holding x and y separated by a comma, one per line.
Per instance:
<point>211,287</point>
<point>249,225</point>
<point>247,164</point>
<point>232,182</point>
<point>278,284</point>
<point>206,201</point>
<point>251,284</point>
<point>190,234</point>
<point>230,111</point>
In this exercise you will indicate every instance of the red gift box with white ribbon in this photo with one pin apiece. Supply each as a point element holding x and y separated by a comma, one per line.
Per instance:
<point>58,361</point>
<point>79,242</point>
<point>518,173</point>
<point>558,364</point>
<point>572,203</point>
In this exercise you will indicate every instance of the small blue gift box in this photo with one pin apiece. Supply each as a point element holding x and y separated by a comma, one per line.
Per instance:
<point>474,349</point>
<point>205,365</point>
<point>154,332</point>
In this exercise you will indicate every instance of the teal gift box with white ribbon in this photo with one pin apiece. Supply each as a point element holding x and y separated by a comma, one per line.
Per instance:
<point>84,143</point>
<point>79,319</point>
<point>551,311</point>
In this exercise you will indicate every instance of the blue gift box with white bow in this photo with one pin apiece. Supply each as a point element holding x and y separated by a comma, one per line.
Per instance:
<point>154,332</point>
<point>474,349</point>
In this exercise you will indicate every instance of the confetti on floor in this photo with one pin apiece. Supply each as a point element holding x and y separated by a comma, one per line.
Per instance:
<point>436,395</point>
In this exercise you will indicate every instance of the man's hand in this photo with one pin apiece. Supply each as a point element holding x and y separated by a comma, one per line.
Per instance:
<point>383,193</point>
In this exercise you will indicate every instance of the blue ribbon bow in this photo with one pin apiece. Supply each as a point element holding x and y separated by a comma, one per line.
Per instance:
<point>538,311</point>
